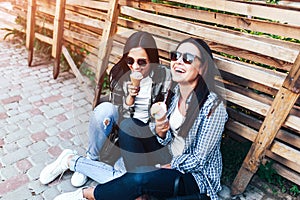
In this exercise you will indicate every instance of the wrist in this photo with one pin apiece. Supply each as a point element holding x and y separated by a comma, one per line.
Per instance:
<point>129,100</point>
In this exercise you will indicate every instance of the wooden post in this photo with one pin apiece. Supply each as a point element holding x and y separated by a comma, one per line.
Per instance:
<point>30,25</point>
<point>105,47</point>
<point>276,116</point>
<point>58,31</point>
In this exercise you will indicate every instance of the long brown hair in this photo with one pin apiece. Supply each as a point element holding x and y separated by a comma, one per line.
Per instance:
<point>204,85</point>
<point>139,39</point>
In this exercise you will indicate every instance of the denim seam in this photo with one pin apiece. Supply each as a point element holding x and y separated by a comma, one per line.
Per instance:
<point>75,162</point>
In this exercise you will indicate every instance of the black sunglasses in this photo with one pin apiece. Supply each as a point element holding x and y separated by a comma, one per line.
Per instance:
<point>141,61</point>
<point>187,58</point>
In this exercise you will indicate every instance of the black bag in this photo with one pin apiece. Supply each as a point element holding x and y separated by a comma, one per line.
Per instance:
<point>196,196</point>
<point>110,151</point>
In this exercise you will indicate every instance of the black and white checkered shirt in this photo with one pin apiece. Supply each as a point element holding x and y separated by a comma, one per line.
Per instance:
<point>202,156</point>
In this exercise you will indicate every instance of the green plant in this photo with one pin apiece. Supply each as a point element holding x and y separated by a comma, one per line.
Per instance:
<point>267,173</point>
<point>294,190</point>
<point>272,1</point>
<point>14,32</point>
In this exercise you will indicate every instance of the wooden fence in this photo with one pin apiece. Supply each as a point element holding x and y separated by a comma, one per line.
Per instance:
<point>255,44</point>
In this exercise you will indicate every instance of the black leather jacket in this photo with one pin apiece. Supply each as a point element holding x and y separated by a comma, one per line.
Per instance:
<point>161,80</point>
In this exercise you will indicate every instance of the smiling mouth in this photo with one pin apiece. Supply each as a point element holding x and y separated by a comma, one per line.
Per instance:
<point>179,70</point>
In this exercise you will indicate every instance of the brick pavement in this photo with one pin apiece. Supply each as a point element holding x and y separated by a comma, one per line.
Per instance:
<point>39,117</point>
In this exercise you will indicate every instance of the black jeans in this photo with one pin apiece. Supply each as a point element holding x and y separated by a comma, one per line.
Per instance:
<point>158,183</point>
<point>139,147</point>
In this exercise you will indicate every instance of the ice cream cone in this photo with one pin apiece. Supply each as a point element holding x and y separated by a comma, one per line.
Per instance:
<point>136,78</point>
<point>159,111</point>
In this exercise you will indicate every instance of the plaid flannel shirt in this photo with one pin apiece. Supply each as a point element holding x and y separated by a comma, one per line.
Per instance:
<point>201,156</point>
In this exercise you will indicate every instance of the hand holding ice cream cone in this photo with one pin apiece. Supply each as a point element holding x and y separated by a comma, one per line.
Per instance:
<point>158,112</point>
<point>133,87</point>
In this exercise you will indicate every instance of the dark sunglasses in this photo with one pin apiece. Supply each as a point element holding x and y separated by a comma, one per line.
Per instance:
<point>141,61</point>
<point>187,58</point>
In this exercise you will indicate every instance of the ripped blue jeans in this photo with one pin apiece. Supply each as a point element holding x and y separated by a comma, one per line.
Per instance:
<point>102,120</point>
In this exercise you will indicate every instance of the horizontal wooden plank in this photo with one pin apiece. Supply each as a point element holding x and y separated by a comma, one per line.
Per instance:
<point>49,10</point>
<point>286,152</point>
<point>283,161</point>
<point>257,107</point>
<point>244,8</point>
<point>90,4</point>
<point>241,130</point>
<point>288,136</point>
<point>43,38</point>
<point>239,84</point>
<point>254,73</point>
<point>88,12</point>
<point>221,19</point>
<point>218,36</point>
<point>287,173</point>
<point>88,39</point>
<point>74,17</point>
<point>82,19</point>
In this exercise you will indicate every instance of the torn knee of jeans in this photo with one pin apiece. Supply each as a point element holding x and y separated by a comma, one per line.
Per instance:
<point>106,122</point>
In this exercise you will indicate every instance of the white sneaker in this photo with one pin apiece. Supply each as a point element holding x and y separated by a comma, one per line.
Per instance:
<point>78,179</point>
<point>60,165</point>
<point>76,195</point>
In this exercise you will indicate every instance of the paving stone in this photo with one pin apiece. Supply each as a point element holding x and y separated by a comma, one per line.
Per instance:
<point>54,105</point>
<point>39,158</point>
<point>23,165</point>
<point>17,118</point>
<point>13,183</point>
<point>24,142</point>
<point>21,193</point>
<point>49,123</point>
<point>65,125</point>
<point>34,172</point>
<point>36,127</point>
<point>54,112</point>
<point>23,124</point>
<point>84,117</point>
<point>37,187</point>
<point>17,135</point>
<point>38,146</point>
<point>80,128</point>
<point>11,106</point>
<point>75,112</point>
<point>38,119</point>
<point>2,108</point>
<point>11,147</point>
<point>15,156</point>
<point>35,98</point>
<point>8,172</point>
<point>12,112</point>
<point>24,108</point>
<point>11,128</point>
<point>52,130</point>
<point>50,193</point>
